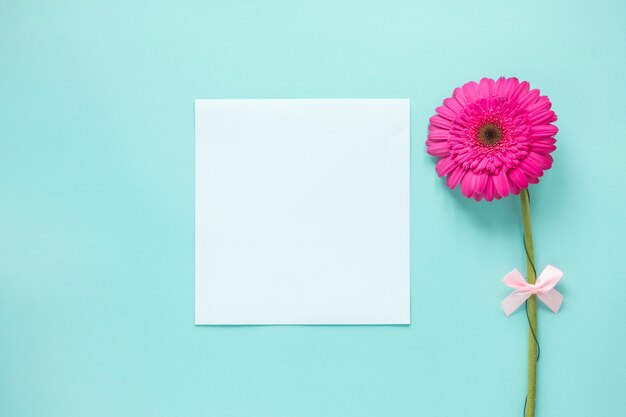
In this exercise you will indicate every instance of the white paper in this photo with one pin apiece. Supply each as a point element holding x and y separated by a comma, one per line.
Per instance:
<point>302,211</point>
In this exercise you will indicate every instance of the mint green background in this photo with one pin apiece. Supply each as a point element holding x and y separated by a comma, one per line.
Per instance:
<point>97,210</point>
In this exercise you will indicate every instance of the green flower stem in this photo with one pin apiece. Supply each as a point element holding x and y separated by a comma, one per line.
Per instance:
<point>532,306</point>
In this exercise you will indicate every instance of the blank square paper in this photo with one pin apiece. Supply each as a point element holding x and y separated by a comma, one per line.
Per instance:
<point>302,211</point>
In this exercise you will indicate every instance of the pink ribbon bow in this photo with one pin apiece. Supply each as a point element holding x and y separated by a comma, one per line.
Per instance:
<point>543,288</point>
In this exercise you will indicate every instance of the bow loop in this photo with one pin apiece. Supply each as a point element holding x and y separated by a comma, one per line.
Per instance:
<point>549,277</point>
<point>515,279</point>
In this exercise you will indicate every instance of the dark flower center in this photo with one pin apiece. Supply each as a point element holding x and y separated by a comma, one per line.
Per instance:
<point>490,134</point>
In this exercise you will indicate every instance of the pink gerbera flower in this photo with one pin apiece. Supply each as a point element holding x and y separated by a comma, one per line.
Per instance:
<point>493,137</point>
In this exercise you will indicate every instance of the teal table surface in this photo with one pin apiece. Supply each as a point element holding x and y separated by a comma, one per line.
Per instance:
<point>97,210</point>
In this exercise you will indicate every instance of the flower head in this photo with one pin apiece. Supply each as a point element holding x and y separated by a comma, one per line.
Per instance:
<point>492,137</point>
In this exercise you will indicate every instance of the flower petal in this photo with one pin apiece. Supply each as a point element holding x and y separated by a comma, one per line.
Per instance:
<point>438,147</point>
<point>543,145</point>
<point>542,104</point>
<point>531,167</point>
<point>445,165</point>
<point>529,98</point>
<point>453,104</point>
<point>440,123</point>
<point>439,134</point>
<point>510,87</point>
<point>446,113</point>
<point>541,118</point>
<point>520,91</point>
<point>501,183</point>
<point>468,184</point>
<point>543,131</point>
<point>460,96</point>
<point>453,179</point>
<point>471,91</point>
<point>513,187</point>
<point>481,183</point>
<point>486,87</point>
<point>518,177</point>
<point>500,87</point>
<point>490,189</point>
<point>544,161</point>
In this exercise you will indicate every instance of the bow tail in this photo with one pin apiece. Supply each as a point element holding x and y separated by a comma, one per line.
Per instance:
<point>552,299</point>
<point>514,300</point>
